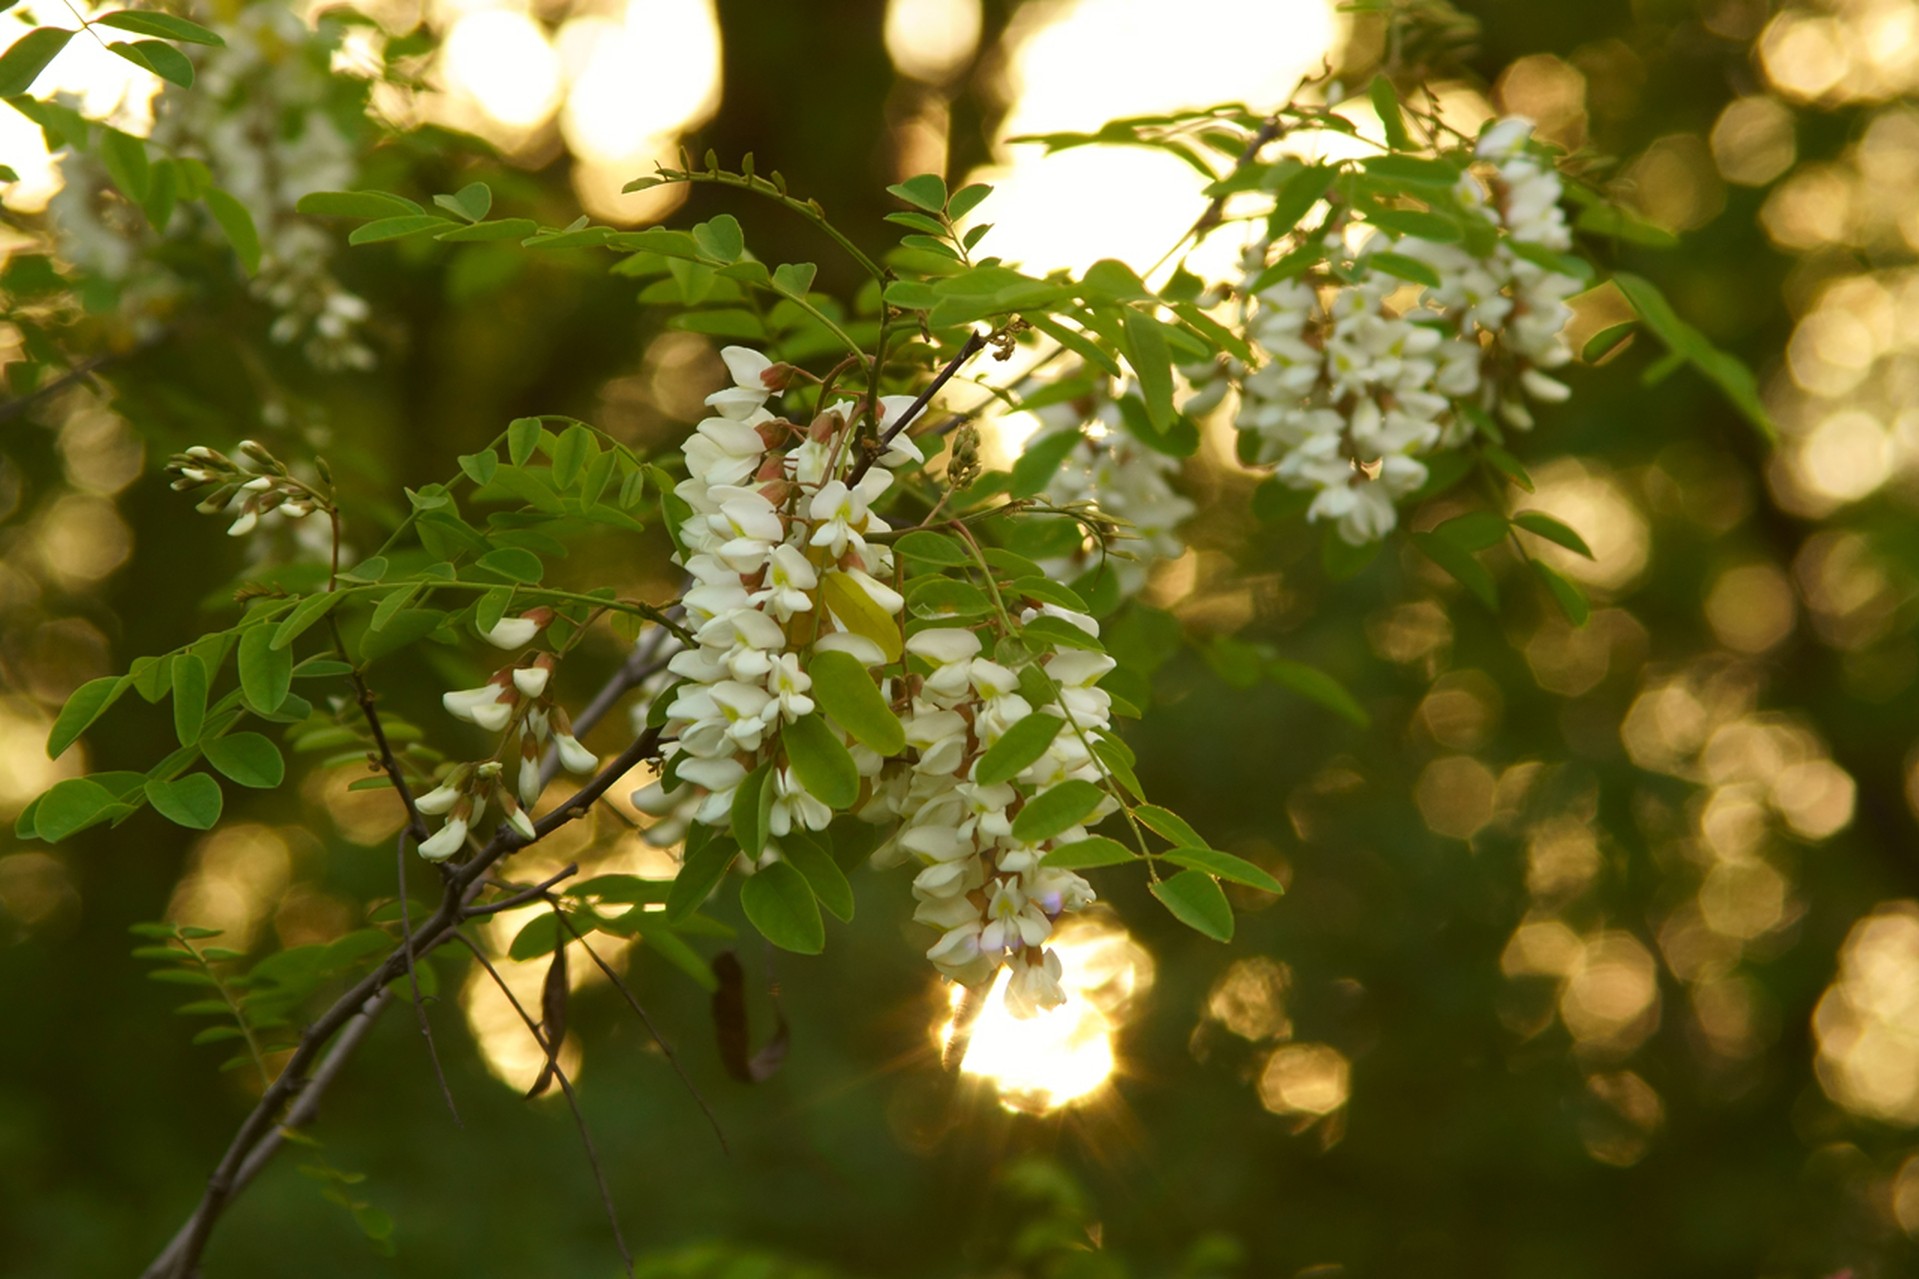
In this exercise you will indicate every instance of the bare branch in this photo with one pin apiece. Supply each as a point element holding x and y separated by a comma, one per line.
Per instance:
<point>462,885</point>
<point>974,344</point>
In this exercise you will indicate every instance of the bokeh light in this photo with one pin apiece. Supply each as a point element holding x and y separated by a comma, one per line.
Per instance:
<point>1064,1056</point>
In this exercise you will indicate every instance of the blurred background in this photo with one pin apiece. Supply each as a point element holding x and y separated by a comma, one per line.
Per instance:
<point>1600,953</point>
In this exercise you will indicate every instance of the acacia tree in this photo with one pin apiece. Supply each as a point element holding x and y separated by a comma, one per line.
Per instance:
<point>882,653</point>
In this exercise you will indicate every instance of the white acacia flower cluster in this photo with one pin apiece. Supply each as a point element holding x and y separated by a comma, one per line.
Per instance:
<point>262,116</point>
<point>1358,383</point>
<point>980,885</point>
<point>248,494</point>
<point>772,520</point>
<point>516,702</point>
<point>1127,482</point>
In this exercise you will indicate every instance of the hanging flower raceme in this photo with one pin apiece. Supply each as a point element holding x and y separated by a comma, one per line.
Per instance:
<point>1125,485</point>
<point>978,840</point>
<point>1360,381</point>
<point>246,492</point>
<point>774,539</point>
<point>516,702</point>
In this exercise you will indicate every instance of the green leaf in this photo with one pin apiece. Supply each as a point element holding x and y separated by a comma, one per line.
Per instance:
<point>28,56</point>
<point>192,801</point>
<point>1544,525</point>
<point>934,548</point>
<point>780,903</point>
<point>522,438</point>
<point>189,697</point>
<point>1405,268</point>
<point>1386,103</point>
<point>1226,866</point>
<point>305,614</point>
<point>794,278</point>
<point>237,225</point>
<point>966,199</point>
<point>1152,363</point>
<point>1195,900</point>
<point>1734,380</point>
<point>1458,562</point>
<point>73,805</point>
<point>1165,822</point>
<point>821,762</point>
<point>1416,223</point>
<point>356,204</point>
<point>86,704</point>
<point>925,191</point>
<point>1056,810</point>
<point>247,758</point>
<point>396,228</point>
<point>705,864</point>
<point>1571,600</point>
<point>1086,854</point>
<point>845,691</point>
<point>126,160</point>
<point>266,672</point>
<point>515,563</point>
<point>570,453</point>
<point>474,202</point>
<point>163,60</point>
<point>823,874</point>
<point>1294,199</point>
<point>720,238</point>
<point>1073,340</point>
<point>752,807</point>
<point>165,25</point>
<point>1507,465</point>
<point>1318,686</point>
<point>1021,744</point>
<point>1475,530</point>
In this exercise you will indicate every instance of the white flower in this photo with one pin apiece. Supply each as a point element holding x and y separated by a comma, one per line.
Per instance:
<point>748,368</point>
<point>531,680</point>
<point>1034,987</point>
<point>438,800</point>
<point>448,841</point>
<point>512,632</point>
<point>789,578</point>
<point>485,706</point>
<point>574,757</point>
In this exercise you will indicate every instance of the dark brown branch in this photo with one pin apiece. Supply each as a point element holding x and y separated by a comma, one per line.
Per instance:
<point>462,884</point>
<point>552,1049</point>
<point>521,896</point>
<point>974,344</point>
<point>1268,132</point>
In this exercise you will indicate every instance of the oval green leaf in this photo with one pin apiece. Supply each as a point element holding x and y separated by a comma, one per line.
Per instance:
<point>1021,744</point>
<point>821,762</point>
<point>192,801</point>
<point>247,758</point>
<point>1056,810</point>
<point>1197,902</point>
<point>845,691</point>
<point>780,903</point>
<point>1226,866</point>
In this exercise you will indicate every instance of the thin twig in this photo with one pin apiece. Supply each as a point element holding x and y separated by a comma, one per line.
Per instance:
<point>672,1057</point>
<point>974,344</point>
<point>537,892</point>
<point>566,1086</point>
<point>298,1116</point>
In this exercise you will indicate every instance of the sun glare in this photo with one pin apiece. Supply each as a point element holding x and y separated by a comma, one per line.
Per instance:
<point>1063,1057</point>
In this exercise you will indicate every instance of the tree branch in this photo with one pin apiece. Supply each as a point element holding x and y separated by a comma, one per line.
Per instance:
<point>368,997</point>
<point>974,344</point>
